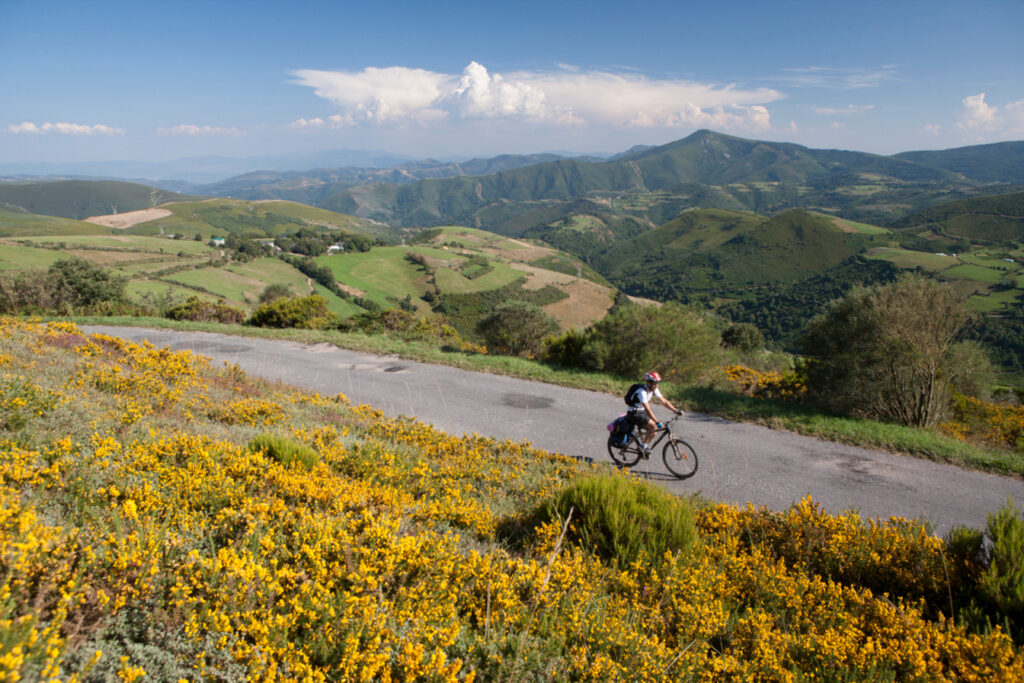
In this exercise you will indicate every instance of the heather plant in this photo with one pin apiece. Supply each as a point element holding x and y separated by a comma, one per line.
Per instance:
<point>622,519</point>
<point>284,450</point>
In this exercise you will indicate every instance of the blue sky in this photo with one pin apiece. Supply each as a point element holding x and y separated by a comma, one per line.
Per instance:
<point>155,81</point>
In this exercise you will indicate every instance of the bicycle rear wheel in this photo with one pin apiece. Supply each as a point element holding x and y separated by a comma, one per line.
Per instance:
<point>680,458</point>
<point>627,455</point>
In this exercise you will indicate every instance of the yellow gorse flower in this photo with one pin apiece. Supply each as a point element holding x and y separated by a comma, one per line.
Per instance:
<point>134,500</point>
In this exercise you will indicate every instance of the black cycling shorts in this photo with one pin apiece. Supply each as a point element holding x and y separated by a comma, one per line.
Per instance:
<point>638,418</point>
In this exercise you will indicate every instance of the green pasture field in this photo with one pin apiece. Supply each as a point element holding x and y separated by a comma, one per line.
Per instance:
<point>15,257</point>
<point>979,273</point>
<point>157,245</point>
<point>218,217</point>
<point>381,273</point>
<point>854,226</point>
<point>272,271</point>
<point>343,308</point>
<point>905,258</point>
<point>994,302</point>
<point>160,290</point>
<point>239,290</point>
<point>451,282</point>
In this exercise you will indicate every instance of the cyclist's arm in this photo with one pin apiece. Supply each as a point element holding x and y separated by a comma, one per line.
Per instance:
<point>668,404</point>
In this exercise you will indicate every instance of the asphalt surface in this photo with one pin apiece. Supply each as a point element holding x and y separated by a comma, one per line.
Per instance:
<point>738,463</point>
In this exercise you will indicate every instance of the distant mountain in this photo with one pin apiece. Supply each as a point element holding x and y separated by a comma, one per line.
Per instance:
<point>704,170</point>
<point>204,169</point>
<point>1000,162</point>
<point>311,187</point>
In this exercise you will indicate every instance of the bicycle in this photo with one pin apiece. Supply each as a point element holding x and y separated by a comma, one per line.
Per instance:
<point>679,456</point>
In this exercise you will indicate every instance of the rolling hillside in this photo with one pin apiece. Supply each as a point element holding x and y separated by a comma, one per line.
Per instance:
<point>80,199</point>
<point>463,273</point>
<point>15,221</point>
<point>723,254</point>
<point>251,219</point>
<point>311,187</point>
<point>704,170</point>
<point>998,218</point>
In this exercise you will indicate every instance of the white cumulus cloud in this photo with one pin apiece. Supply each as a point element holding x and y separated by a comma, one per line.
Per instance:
<point>567,97</point>
<point>984,121</point>
<point>199,131</point>
<point>64,128</point>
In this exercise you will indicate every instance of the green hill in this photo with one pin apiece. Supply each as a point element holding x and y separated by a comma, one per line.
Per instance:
<point>252,219</point>
<point>715,253</point>
<point>998,218</point>
<point>1000,162</point>
<point>16,222</point>
<point>463,273</point>
<point>652,185</point>
<point>80,199</point>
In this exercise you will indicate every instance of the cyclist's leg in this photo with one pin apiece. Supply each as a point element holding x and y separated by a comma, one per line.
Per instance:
<point>650,429</point>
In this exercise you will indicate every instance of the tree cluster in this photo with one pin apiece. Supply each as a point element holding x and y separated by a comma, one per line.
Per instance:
<point>68,287</point>
<point>894,352</point>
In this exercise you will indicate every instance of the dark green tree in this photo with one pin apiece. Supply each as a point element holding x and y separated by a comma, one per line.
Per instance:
<point>673,339</point>
<point>78,283</point>
<point>517,328</point>
<point>891,352</point>
<point>743,336</point>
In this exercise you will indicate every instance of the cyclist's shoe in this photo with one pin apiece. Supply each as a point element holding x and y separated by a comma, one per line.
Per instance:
<point>645,451</point>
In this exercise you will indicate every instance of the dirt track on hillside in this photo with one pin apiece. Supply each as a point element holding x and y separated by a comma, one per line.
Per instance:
<point>121,221</point>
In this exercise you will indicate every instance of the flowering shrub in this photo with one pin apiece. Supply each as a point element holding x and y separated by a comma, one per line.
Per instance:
<point>998,425</point>
<point>787,386</point>
<point>167,548</point>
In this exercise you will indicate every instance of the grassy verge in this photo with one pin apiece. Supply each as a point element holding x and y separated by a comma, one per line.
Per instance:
<point>923,443</point>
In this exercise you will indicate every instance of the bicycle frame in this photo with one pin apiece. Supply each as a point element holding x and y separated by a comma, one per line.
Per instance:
<point>661,432</point>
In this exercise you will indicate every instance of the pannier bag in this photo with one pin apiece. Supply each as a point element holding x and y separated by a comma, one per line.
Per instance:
<point>620,429</point>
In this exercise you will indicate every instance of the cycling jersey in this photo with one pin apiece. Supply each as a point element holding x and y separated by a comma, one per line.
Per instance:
<point>644,395</point>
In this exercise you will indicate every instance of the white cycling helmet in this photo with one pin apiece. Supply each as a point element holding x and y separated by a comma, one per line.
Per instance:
<point>652,377</point>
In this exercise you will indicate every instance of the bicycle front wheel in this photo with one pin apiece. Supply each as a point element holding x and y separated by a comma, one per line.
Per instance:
<point>627,455</point>
<point>680,458</point>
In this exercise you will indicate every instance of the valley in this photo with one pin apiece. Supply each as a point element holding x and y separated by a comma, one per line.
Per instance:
<point>754,231</point>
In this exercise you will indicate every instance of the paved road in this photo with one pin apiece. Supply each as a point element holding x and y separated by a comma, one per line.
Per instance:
<point>738,462</point>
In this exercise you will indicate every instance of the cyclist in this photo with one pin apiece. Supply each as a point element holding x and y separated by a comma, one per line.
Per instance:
<point>640,413</point>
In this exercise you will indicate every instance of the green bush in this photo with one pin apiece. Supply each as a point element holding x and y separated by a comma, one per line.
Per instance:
<point>891,353</point>
<point>196,309</point>
<point>82,283</point>
<point>672,339</point>
<point>273,292</point>
<point>308,312</point>
<point>1002,583</point>
<point>744,337</point>
<point>517,328</point>
<point>67,287</point>
<point>284,450</point>
<point>623,520</point>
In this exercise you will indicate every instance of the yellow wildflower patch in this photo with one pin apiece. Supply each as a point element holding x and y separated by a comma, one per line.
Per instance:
<point>141,538</point>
